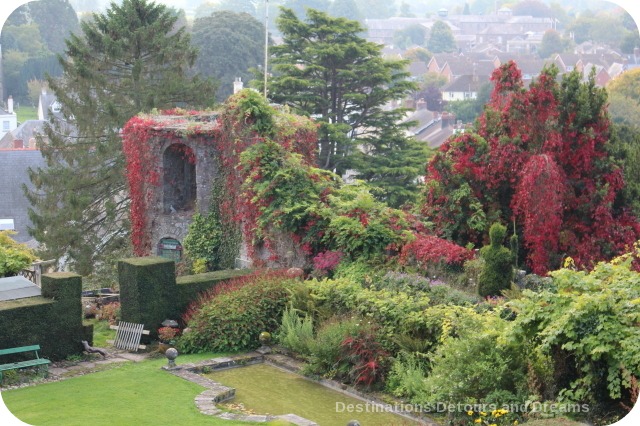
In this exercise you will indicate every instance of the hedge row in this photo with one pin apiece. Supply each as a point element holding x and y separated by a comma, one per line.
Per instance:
<point>53,321</point>
<point>150,292</point>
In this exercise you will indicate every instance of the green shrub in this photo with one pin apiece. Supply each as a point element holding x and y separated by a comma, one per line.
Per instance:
<point>476,363</point>
<point>537,283</point>
<point>13,256</point>
<point>234,313</point>
<point>202,242</point>
<point>359,271</point>
<point>325,348</point>
<point>497,273</point>
<point>387,308</point>
<point>296,333</point>
<point>407,379</point>
<point>592,319</point>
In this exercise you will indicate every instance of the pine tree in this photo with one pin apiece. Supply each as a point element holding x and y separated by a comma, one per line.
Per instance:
<point>392,161</point>
<point>128,60</point>
<point>325,69</point>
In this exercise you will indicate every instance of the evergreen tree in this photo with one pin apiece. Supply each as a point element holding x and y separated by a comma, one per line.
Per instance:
<point>441,38</point>
<point>229,44</point>
<point>393,162</point>
<point>345,9</point>
<point>127,60</point>
<point>325,69</point>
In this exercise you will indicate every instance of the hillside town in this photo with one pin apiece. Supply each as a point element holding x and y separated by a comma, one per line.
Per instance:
<point>320,212</point>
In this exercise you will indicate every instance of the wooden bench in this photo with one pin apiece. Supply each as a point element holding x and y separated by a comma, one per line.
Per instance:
<point>22,364</point>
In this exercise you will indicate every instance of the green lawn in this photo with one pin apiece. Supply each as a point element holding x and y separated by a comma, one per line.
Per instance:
<point>25,113</point>
<point>130,394</point>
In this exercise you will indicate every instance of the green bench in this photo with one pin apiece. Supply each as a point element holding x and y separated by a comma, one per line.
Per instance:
<point>22,364</point>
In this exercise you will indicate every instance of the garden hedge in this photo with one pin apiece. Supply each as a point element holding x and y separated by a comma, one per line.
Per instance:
<point>147,290</point>
<point>53,321</point>
<point>189,286</point>
<point>150,292</point>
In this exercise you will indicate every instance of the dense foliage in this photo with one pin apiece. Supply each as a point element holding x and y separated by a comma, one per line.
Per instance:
<point>124,61</point>
<point>231,316</point>
<point>539,158</point>
<point>13,256</point>
<point>324,68</point>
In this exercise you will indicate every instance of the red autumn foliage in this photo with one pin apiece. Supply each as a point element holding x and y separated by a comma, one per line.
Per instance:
<point>429,249</point>
<point>539,160</point>
<point>230,135</point>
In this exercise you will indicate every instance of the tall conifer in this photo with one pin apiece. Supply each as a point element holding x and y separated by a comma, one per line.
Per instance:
<point>129,59</point>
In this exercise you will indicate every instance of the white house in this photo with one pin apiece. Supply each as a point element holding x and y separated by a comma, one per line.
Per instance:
<point>8,119</point>
<point>463,88</point>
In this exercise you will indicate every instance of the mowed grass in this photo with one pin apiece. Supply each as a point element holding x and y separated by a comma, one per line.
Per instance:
<point>134,394</point>
<point>25,113</point>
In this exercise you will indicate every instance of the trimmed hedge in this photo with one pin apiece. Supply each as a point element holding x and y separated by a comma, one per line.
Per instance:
<point>53,321</point>
<point>150,292</point>
<point>189,286</point>
<point>147,290</point>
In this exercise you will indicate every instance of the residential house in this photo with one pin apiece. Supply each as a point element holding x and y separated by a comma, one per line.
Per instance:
<point>8,118</point>
<point>25,136</point>
<point>14,166</point>
<point>463,88</point>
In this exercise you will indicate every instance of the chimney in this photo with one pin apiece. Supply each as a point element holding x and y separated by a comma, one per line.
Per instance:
<point>421,104</point>
<point>237,85</point>
<point>10,104</point>
<point>18,144</point>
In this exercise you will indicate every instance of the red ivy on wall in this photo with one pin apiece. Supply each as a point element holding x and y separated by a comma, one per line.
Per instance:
<point>245,119</point>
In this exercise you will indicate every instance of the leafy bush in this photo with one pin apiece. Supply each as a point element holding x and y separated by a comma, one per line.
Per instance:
<point>327,261</point>
<point>476,363</point>
<point>110,312</point>
<point>13,256</point>
<point>202,241</point>
<point>296,333</point>
<point>592,318</point>
<point>360,271</point>
<point>361,226</point>
<point>232,315</point>
<point>387,308</point>
<point>407,378</point>
<point>536,283</point>
<point>498,270</point>
<point>326,347</point>
<point>429,250</point>
<point>364,356</point>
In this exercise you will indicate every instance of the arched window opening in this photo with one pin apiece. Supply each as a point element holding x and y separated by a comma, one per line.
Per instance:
<point>179,181</point>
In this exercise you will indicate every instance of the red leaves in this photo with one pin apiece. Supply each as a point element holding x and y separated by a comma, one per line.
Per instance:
<point>538,201</point>
<point>427,249</point>
<point>546,167</point>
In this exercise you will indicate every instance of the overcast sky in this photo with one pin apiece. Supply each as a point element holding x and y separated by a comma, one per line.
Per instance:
<point>8,6</point>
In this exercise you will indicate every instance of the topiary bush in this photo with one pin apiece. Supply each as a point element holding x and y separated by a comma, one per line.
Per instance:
<point>497,273</point>
<point>232,315</point>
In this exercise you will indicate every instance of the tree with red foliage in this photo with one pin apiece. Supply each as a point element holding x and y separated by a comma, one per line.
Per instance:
<point>538,158</point>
